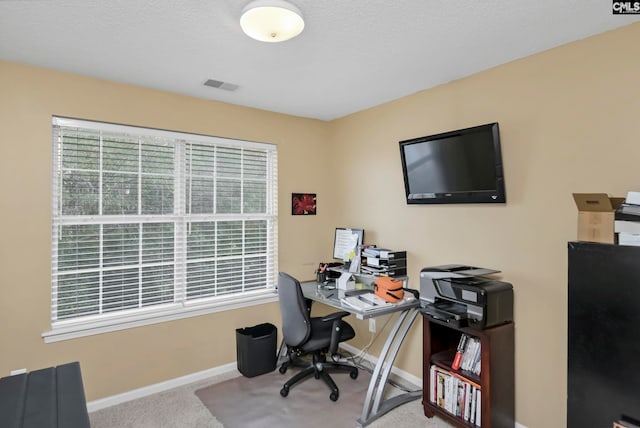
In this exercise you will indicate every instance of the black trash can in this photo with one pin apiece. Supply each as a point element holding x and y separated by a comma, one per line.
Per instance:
<point>256,349</point>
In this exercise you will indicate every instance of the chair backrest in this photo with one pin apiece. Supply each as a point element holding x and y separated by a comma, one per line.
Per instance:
<point>296,322</point>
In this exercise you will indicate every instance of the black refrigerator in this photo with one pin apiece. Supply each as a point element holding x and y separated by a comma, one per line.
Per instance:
<point>603,381</point>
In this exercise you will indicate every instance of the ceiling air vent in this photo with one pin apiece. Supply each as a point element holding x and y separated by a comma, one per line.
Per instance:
<point>221,85</point>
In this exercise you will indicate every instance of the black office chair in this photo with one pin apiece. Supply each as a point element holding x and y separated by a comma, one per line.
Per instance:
<point>317,336</point>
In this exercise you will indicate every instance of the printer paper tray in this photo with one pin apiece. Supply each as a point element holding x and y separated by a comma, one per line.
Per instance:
<point>451,313</point>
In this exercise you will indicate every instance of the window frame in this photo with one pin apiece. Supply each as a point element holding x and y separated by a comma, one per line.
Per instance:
<point>181,306</point>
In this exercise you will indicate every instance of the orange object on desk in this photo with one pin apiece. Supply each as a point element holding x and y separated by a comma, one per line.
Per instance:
<point>389,289</point>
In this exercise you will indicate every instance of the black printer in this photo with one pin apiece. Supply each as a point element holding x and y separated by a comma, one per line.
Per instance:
<point>462,296</point>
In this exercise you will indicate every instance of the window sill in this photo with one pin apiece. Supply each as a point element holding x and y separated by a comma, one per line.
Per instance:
<point>66,330</point>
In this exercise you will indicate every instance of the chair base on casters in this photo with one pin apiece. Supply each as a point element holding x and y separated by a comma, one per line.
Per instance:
<point>319,369</point>
<point>292,359</point>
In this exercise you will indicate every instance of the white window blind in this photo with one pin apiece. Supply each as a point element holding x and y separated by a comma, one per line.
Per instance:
<point>148,221</point>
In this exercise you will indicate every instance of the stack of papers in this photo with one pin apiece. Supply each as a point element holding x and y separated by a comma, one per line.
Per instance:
<point>364,302</point>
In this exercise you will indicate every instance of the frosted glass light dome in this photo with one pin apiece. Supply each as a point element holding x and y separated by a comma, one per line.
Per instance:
<point>271,20</point>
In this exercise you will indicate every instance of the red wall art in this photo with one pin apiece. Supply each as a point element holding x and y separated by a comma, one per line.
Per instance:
<point>303,204</point>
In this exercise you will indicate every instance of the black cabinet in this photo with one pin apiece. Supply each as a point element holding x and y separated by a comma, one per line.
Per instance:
<point>603,334</point>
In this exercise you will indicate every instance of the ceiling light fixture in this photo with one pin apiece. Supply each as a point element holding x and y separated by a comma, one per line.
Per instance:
<point>271,20</point>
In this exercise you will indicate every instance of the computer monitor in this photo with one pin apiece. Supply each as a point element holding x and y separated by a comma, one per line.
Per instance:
<point>344,239</point>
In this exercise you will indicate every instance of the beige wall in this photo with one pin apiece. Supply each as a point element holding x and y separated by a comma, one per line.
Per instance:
<point>567,119</point>
<point>117,362</point>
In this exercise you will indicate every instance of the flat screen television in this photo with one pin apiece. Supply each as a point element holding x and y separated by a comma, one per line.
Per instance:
<point>457,167</point>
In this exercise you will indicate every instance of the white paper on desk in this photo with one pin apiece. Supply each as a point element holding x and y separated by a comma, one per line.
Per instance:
<point>355,303</point>
<point>358,303</point>
<point>374,300</point>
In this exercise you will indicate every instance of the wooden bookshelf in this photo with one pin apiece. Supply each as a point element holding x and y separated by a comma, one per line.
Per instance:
<point>496,379</point>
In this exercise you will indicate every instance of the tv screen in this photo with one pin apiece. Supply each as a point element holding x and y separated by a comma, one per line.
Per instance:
<point>457,167</point>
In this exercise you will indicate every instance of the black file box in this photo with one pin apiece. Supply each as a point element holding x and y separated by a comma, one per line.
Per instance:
<point>256,349</point>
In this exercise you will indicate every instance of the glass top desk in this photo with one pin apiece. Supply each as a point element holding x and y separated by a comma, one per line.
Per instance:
<point>374,404</point>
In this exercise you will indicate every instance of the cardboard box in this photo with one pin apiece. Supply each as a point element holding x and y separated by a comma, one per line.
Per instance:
<point>596,212</point>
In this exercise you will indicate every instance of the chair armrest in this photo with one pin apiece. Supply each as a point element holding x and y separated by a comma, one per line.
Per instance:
<point>335,316</point>
<point>336,327</point>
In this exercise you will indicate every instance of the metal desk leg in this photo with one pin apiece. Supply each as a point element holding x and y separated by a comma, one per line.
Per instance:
<point>374,408</point>
<point>279,357</point>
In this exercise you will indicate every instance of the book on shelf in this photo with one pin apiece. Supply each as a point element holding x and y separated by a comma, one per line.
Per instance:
<point>462,344</point>
<point>468,388</point>
<point>455,394</point>
<point>440,389</point>
<point>448,394</point>
<point>472,404</point>
<point>469,355</point>
<point>478,411</point>
<point>460,400</point>
<point>432,385</point>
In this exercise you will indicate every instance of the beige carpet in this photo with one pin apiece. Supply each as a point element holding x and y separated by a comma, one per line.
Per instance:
<point>181,408</point>
<point>307,404</point>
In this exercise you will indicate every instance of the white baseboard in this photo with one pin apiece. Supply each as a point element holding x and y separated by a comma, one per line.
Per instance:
<point>102,403</point>
<point>414,380</point>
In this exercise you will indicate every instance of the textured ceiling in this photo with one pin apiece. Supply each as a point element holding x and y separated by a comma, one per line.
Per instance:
<point>352,55</point>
